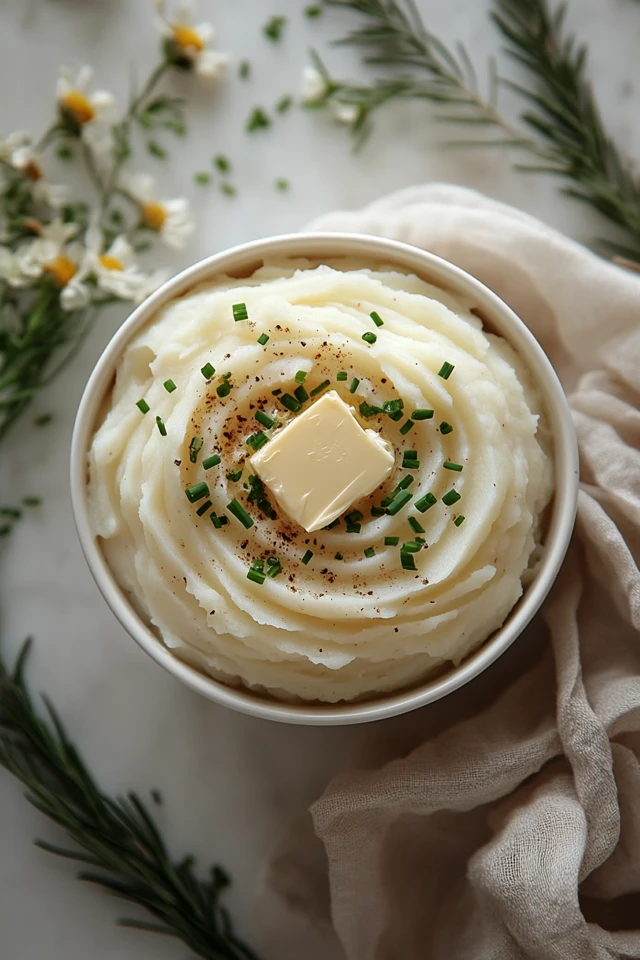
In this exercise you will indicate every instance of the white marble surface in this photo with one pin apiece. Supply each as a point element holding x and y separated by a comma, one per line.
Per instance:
<point>230,782</point>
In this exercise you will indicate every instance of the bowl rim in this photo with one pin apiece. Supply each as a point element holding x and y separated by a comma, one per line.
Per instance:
<point>434,269</point>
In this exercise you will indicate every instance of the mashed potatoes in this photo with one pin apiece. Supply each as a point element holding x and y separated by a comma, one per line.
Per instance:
<point>355,619</point>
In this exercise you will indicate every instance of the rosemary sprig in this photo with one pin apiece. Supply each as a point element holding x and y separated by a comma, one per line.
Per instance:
<point>117,839</point>
<point>561,128</point>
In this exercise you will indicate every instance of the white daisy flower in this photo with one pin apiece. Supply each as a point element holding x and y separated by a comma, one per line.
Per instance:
<point>50,253</point>
<point>313,85</point>
<point>25,159</point>
<point>12,143</point>
<point>114,270</point>
<point>169,218</point>
<point>88,113</point>
<point>188,41</point>
<point>10,269</point>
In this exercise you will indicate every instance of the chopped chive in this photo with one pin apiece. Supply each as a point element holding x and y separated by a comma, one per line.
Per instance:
<point>202,178</point>
<point>240,311</point>
<point>282,185</point>
<point>354,517</point>
<point>301,394</point>
<point>459,520</point>
<point>367,411</point>
<point>283,104</point>
<point>406,426</point>
<point>258,120</point>
<point>226,376</point>
<point>265,419</point>
<point>393,408</point>
<point>43,420</point>
<point>223,389</point>
<point>446,370</point>
<point>5,530</point>
<point>169,386</point>
<point>410,464</point>
<point>404,483</point>
<point>276,392</point>
<point>143,406</point>
<point>410,454</point>
<point>161,426</point>
<point>445,428</point>
<point>341,375</point>
<point>307,557</point>
<point>338,556</point>
<point>197,492</point>
<point>378,512</point>
<point>12,512</point>
<point>234,475</point>
<point>290,403</point>
<point>263,338</point>
<point>244,70</point>
<point>354,385</point>
<point>274,27</point>
<point>216,520</point>
<point>422,413</point>
<point>334,523</point>
<point>222,163</point>
<point>203,509</point>
<point>369,337</point>
<point>194,449</point>
<point>257,440</point>
<point>274,567</point>
<point>391,541</point>
<point>321,386</point>
<point>156,150</point>
<point>425,503</point>
<point>239,512</point>
<point>228,189</point>
<point>224,521</point>
<point>207,371</point>
<point>407,561</point>
<point>377,319</point>
<point>369,552</point>
<point>411,546</point>
<point>31,501</point>
<point>448,465</point>
<point>415,525</point>
<point>451,497</point>
<point>300,376</point>
<point>256,576</point>
<point>65,152</point>
<point>315,10</point>
<point>212,461</point>
<point>353,528</point>
<point>398,502</point>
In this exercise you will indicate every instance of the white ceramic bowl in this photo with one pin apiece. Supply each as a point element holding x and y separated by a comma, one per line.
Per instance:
<point>241,261</point>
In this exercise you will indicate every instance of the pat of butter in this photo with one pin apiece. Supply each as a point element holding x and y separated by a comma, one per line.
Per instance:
<point>323,462</point>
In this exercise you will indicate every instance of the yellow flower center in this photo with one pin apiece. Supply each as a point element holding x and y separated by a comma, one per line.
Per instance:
<point>187,37</point>
<point>154,215</point>
<point>61,269</point>
<point>78,106</point>
<point>33,171</point>
<point>110,263</point>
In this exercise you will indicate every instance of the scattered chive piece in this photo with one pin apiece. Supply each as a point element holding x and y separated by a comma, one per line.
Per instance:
<point>222,163</point>
<point>197,492</point>
<point>334,523</point>
<point>411,546</point>
<point>256,572</point>
<point>448,465</point>
<point>406,426</point>
<point>341,375</point>
<point>354,385</point>
<point>338,556</point>
<point>404,483</point>
<point>424,503</point>
<point>31,501</point>
<point>354,517</point>
<point>290,403</point>
<point>459,520</point>
<point>274,567</point>
<point>282,185</point>
<point>445,428</point>
<point>367,411</point>
<point>212,461</point>
<point>391,541</point>
<point>5,530</point>
<point>410,464</point>
<point>207,371</point>
<point>223,521</point>
<point>276,392</point>
<point>215,520</point>
<point>422,414</point>
<point>234,474</point>
<point>410,454</point>
<point>43,420</point>
<point>244,70</point>
<point>12,512</point>
<point>370,552</point>
<point>64,152</point>
<point>378,512</point>
<point>393,408</point>
<point>377,319</point>
<point>258,120</point>
<point>301,394</point>
<point>143,406</point>
<point>307,557</point>
<point>257,440</point>
<point>194,449</point>
<point>300,376</point>
<point>202,177</point>
<point>414,523</point>
<point>156,150</point>
<point>353,528</point>
<point>240,311</point>
<point>223,389</point>
<point>283,104</point>
<point>239,512</point>
<point>161,426</point>
<point>398,502</point>
<point>273,27</point>
<point>446,370</point>
<point>203,509</point>
<point>451,497</point>
<point>407,561</point>
<point>315,10</point>
<point>369,337</point>
<point>263,338</point>
<point>169,386</point>
<point>226,376</point>
<point>321,386</point>
<point>228,189</point>
<point>265,419</point>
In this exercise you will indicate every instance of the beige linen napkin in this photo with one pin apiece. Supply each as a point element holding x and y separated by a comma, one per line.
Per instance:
<point>514,832</point>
